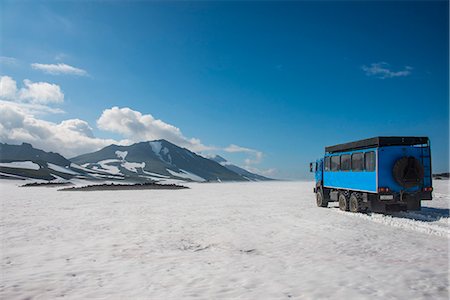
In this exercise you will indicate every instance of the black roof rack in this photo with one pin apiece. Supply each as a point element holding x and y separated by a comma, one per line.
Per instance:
<point>378,141</point>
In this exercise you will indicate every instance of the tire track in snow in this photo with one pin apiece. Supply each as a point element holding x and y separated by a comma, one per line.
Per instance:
<point>408,221</point>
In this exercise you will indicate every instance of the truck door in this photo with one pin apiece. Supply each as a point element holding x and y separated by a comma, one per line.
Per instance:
<point>319,170</point>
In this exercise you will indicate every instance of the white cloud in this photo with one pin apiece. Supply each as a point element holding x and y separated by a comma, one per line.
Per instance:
<point>18,123</point>
<point>60,68</point>
<point>79,126</point>
<point>255,157</point>
<point>41,92</point>
<point>74,136</point>
<point>255,160</point>
<point>33,109</point>
<point>382,71</point>
<point>267,172</point>
<point>69,138</point>
<point>6,60</point>
<point>138,127</point>
<point>8,88</point>
<point>33,97</point>
<point>235,149</point>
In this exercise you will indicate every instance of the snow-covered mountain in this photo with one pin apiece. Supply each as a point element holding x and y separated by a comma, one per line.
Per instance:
<point>156,160</point>
<point>159,161</point>
<point>24,161</point>
<point>244,173</point>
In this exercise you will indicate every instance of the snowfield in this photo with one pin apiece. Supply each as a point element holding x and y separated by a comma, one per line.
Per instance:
<point>263,240</point>
<point>21,165</point>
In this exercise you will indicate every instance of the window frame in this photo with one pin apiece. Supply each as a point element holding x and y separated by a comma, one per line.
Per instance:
<point>374,167</point>
<point>338,163</point>
<point>349,162</point>
<point>362,169</point>
<point>327,164</point>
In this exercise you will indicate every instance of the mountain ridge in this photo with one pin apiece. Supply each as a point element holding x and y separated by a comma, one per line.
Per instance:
<point>149,161</point>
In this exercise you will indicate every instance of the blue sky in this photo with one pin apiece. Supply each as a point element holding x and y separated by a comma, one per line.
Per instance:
<point>279,80</point>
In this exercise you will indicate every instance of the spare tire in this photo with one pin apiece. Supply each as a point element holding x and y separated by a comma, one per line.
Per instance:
<point>408,172</point>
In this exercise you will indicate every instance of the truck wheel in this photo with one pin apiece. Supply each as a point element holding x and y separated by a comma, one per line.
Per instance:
<point>343,202</point>
<point>320,200</point>
<point>408,172</point>
<point>356,204</point>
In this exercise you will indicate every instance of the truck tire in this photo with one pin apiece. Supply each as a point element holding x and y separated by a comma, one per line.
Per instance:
<point>320,200</point>
<point>343,202</point>
<point>408,172</point>
<point>356,204</point>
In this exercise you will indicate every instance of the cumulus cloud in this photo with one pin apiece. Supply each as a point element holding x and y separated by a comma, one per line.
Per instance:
<point>69,138</point>
<point>41,92</point>
<point>77,125</point>
<point>60,68</point>
<point>8,88</point>
<point>142,127</point>
<point>34,97</point>
<point>382,70</point>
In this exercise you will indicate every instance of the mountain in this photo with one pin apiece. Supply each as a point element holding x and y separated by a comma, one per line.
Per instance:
<point>157,160</point>
<point>154,161</point>
<point>238,170</point>
<point>24,161</point>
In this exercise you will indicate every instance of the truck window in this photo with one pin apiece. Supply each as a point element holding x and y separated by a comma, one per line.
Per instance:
<point>327,163</point>
<point>357,161</point>
<point>345,162</point>
<point>335,162</point>
<point>369,159</point>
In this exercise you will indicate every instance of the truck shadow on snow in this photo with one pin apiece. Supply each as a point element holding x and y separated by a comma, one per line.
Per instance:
<point>427,214</point>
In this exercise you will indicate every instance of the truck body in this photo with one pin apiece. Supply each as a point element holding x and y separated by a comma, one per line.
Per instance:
<point>379,174</point>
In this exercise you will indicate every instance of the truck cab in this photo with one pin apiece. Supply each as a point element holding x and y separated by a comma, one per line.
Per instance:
<point>318,170</point>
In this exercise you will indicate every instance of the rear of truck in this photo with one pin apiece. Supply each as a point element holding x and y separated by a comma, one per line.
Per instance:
<point>404,177</point>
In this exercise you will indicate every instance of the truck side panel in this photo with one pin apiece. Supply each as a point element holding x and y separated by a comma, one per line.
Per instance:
<point>351,180</point>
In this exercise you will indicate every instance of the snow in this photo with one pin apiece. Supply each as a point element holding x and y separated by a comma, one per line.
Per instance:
<point>131,166</point>
<point>121,154</point>
<point>156,147</point>
<point>155,174</point>
<point>61,169</point>
<point>264,240</point>
<point>186,175</point>
<point>21,165</point>
<point>75,166</point>
<point>105,164</point>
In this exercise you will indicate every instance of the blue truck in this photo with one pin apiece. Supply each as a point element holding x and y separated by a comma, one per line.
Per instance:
<point>380,174</point>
